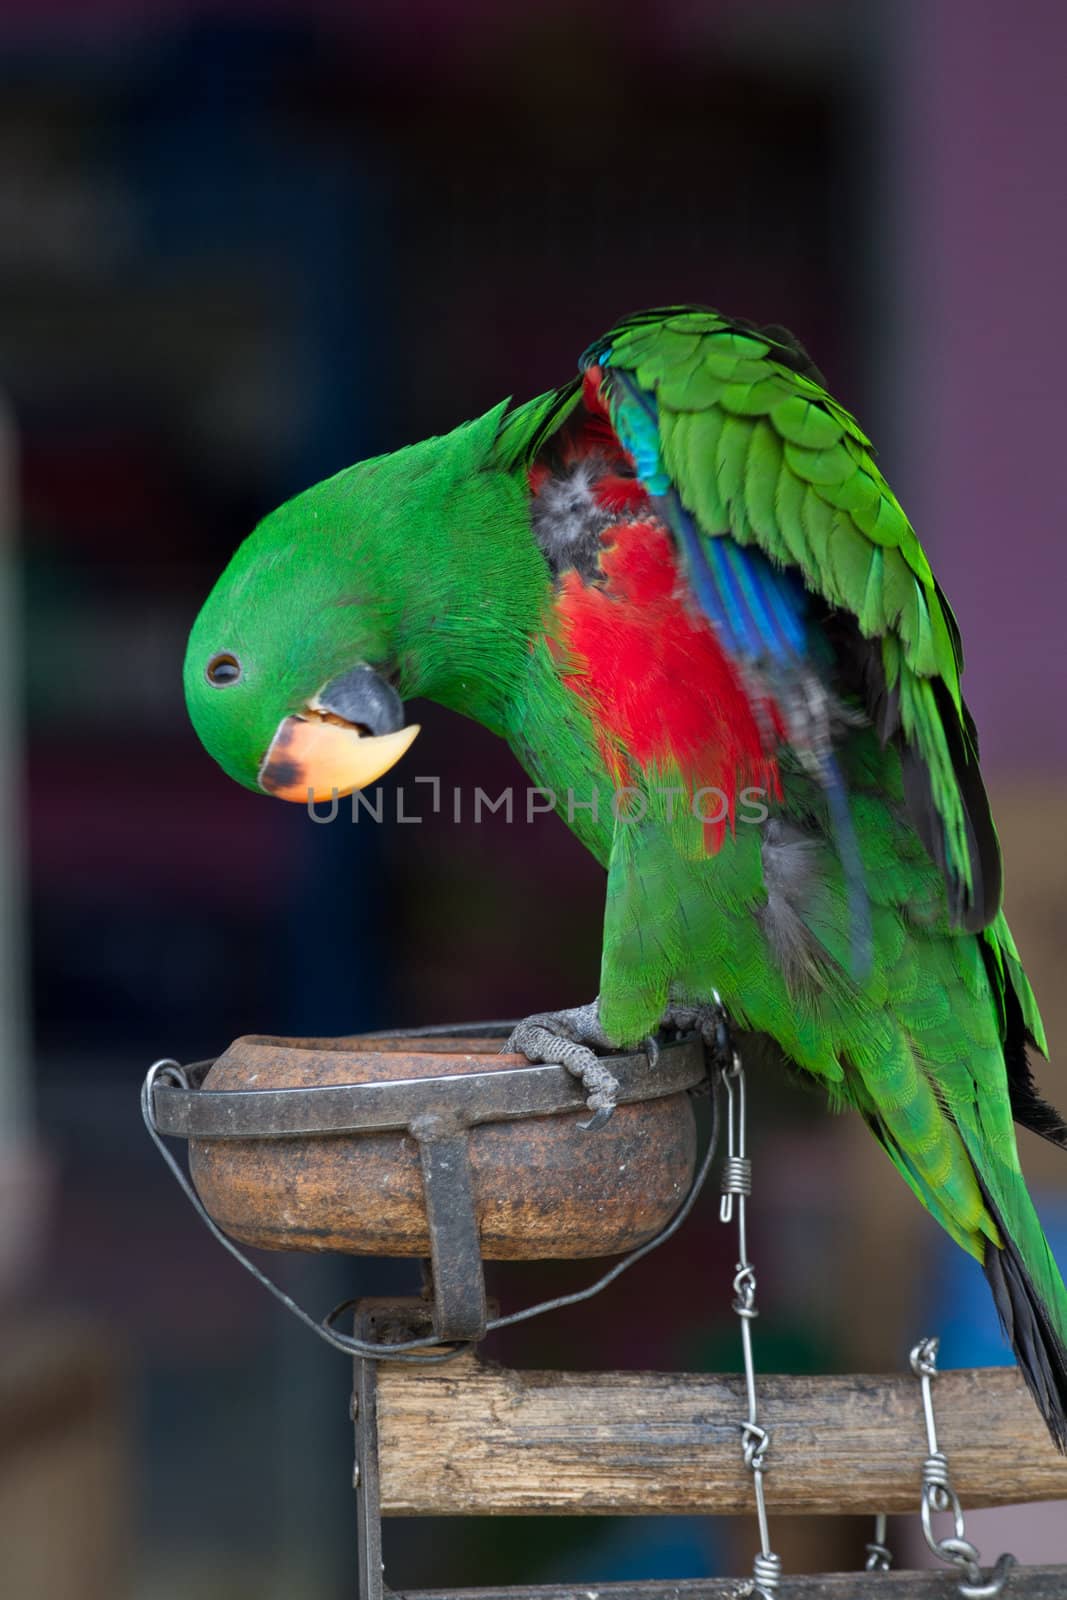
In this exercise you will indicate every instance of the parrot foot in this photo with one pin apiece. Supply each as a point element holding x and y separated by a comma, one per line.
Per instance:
<point>563,1039</point>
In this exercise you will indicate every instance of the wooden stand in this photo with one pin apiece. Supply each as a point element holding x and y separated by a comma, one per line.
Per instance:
<point>461,1438</point>
<point>469,1439</point>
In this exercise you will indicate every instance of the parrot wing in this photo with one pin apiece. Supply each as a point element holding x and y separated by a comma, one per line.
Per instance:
<point>735,581</point>
<point>795,548</point>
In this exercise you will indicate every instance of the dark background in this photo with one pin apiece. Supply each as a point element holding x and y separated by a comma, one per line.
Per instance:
<point>242,246</point>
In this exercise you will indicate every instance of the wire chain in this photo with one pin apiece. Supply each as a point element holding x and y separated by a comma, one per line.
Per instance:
<point>938,1495</point>
<point>736,1189</point>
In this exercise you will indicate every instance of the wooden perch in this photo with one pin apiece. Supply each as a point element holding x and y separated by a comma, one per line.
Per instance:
<point>469,1439</point>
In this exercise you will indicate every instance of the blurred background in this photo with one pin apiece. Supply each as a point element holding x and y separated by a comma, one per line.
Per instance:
<point>241,246</point>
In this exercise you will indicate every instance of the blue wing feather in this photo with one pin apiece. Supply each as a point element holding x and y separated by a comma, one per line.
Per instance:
<point>759,611</point>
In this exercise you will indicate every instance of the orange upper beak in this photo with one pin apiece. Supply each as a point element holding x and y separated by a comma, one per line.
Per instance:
<point>312,759</point>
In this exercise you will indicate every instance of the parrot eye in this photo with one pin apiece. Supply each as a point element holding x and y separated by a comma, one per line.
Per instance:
<point>222,670</point>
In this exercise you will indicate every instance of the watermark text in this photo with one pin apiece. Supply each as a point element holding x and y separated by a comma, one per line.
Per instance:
<point>625,805</point>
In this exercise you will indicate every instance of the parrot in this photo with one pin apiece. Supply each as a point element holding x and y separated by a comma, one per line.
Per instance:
<point>681,590</point>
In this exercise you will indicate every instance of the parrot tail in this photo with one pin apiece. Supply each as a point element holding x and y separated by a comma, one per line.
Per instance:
<point>1030,1322</point>
<point>973,1185</point>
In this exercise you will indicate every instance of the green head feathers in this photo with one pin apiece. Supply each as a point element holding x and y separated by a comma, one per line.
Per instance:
<point>417,565</point>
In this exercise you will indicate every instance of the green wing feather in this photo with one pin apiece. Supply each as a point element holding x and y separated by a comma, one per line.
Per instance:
<point>758,450</point>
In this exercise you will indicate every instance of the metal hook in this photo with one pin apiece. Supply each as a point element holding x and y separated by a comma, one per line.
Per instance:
<point>736,1189</point>
<point>938,1496</point>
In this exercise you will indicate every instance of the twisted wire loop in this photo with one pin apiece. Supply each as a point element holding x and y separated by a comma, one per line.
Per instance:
<point>736,1187</point>
<point>766,1572</point>
<point>938,1495</point>
<point>879,1555</point>
<point>736,1176</point>
<point>744,1301</point>
<point>755,1442</point>
<point>994,1585</point>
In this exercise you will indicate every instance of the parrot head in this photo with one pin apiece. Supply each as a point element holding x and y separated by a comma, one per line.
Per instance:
<point>289,672</point>
<point>413,574</point>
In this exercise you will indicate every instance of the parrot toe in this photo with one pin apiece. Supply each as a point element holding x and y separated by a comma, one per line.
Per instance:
<point>712,1024</point>
<point>564,1039</point>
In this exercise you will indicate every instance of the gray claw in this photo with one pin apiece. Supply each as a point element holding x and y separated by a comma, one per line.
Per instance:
<point>550,1039</point>
<point>598,1119</point>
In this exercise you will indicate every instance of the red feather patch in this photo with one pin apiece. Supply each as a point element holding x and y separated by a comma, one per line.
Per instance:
<point>662,693</point>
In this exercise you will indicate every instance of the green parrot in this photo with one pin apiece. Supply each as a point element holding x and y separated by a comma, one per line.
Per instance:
<point>682,591</point>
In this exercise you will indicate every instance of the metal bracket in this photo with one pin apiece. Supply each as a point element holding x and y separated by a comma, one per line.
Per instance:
<point>365,1479</point>
<point>455,1246</point>
<point>470,1098</point>
<point>376,1322</point>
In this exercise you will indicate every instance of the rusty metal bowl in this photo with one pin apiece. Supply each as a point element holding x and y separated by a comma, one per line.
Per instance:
<point>541,1186</point>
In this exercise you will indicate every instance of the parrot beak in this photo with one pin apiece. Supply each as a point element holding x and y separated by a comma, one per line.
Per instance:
<point>310,759</point>
<point>350,733</point>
